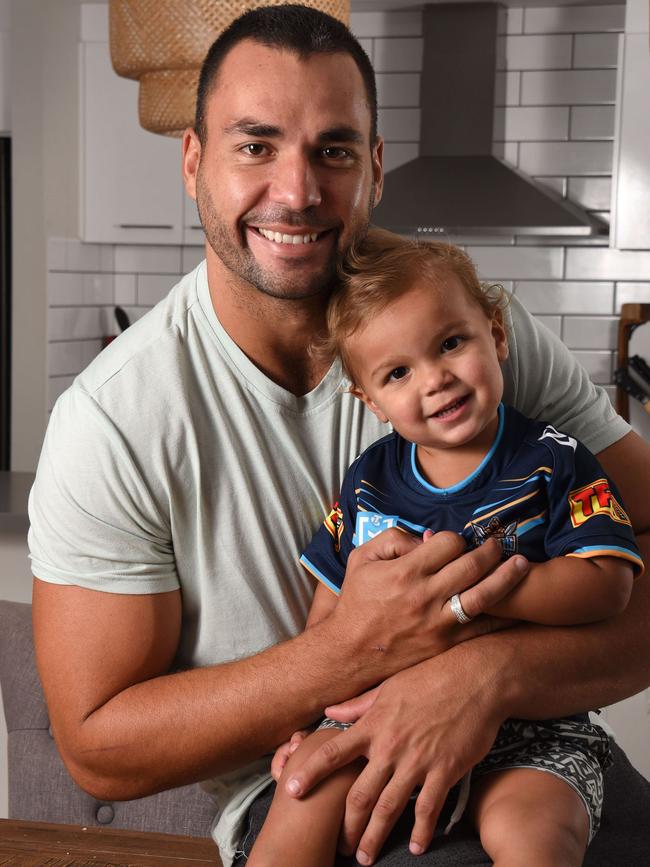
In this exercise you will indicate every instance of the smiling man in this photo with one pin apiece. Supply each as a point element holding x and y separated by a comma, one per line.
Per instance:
<point>186,469</point>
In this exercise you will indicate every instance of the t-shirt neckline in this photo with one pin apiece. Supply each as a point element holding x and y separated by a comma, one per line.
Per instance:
<point>329,386</point>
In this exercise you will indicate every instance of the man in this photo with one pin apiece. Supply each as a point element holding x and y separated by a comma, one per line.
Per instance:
<point>186,468</point>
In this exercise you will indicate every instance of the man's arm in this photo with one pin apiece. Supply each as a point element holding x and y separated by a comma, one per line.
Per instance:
<point>126,727</point>
<point>531,672</point>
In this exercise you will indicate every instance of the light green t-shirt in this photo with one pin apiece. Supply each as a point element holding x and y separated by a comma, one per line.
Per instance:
<point>172,461</point>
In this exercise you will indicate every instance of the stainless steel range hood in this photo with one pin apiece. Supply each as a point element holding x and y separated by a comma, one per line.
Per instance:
<point>456,186</point>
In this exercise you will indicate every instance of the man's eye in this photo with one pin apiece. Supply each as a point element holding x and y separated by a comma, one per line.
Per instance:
<point>254,149</point>
<point>336,153</point>
<point>397,373</point>
<point>451,343</point>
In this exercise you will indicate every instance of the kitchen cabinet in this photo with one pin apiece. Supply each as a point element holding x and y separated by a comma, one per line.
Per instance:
<point>131,189</point>
<point>630,228</point>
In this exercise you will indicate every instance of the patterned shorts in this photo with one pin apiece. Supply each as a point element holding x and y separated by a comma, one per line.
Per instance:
<point>575,751</point>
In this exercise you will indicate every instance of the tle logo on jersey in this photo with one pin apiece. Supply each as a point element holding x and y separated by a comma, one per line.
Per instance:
<point>595,499</point>
<point>507,536</point>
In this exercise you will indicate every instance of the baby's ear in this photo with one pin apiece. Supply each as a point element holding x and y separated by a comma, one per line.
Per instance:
<point>369,402</point>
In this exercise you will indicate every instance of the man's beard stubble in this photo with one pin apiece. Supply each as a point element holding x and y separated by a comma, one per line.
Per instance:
<point>238,259</point>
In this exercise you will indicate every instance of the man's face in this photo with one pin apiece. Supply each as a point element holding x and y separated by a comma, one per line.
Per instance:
<point>287,177</point>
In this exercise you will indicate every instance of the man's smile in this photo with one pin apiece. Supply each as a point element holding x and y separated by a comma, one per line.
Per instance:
<point>284,238</point>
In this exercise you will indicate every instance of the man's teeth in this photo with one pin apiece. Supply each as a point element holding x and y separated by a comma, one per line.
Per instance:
<point>279,238</point>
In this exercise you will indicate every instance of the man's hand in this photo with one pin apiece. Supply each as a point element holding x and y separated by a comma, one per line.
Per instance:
<point>426,726</point>
<point>403,587</point>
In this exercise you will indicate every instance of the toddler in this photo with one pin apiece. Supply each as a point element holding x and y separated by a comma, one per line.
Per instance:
<point>422,342</point>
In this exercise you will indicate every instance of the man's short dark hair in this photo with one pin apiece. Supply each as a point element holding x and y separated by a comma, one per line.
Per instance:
<point>296,28</point>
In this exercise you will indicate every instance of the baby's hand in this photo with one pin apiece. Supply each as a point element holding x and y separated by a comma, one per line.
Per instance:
<point>285,750</point>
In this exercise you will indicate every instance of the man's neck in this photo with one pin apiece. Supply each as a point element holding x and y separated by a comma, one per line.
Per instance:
<point>275,334</point>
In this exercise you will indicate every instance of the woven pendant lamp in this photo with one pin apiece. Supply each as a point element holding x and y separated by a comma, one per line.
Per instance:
<point>162,44</point>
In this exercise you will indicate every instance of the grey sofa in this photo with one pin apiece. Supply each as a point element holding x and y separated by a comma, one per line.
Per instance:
<point>40,788</point>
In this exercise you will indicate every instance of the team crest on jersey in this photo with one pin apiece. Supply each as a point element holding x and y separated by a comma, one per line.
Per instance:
<point>494,529</point>
<point>334,525</point>
<point>371,524</point>
<point>595,499</point>
<point>561,439</point>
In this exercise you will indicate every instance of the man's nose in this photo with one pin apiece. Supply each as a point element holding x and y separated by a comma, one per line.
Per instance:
<point>295,183</point>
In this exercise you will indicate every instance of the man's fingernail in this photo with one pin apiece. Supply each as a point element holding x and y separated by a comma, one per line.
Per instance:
<point>362,857</point>
<point>415,849</point>
<point>522,564</point>
<point>293,748</point>
<point>293,787</point>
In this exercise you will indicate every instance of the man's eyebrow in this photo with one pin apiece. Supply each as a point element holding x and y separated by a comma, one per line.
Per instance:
<point>342,134</point>
<point>257,129</point>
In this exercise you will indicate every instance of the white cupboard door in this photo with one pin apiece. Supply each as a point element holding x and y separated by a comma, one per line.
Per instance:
<point>131,190</point>
<point>631,205</point>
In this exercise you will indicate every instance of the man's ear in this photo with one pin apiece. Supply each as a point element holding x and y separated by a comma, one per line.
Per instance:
<point>369,402</point>
<point>378,170</point>
<point>191,160</point>
<point>500,335</point>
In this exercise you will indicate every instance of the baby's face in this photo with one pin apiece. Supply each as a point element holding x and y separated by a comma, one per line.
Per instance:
<point>430,363</point>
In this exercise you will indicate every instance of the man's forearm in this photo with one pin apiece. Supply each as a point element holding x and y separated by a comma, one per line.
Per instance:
<point>177,728</point>
<point>126,728</point>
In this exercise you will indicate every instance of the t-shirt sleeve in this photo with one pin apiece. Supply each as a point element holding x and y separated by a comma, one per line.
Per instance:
<point>543,380</point>
<point>327,554</point>
<point>587,517</point>
<point>94,519</point>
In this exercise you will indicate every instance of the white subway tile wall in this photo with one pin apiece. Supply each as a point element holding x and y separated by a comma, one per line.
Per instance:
<point>555,94</point>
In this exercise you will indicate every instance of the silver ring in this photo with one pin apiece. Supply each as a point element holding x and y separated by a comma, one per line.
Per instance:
<point>458,610</point>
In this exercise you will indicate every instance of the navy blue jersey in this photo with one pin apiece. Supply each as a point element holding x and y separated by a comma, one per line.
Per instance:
<point>542,493</point>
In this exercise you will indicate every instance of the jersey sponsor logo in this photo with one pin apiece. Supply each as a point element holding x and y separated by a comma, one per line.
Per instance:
<point>334,525</point>
<point>595,499</point>
<point>495,529</point>
<point>371,524</point>
<point>560,438</point>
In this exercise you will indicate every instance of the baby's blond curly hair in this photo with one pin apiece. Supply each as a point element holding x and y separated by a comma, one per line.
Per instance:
<point>381,268</point>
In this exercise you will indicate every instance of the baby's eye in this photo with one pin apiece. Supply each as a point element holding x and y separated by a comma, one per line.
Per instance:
<point>397,373</point>
<point>451,343</point>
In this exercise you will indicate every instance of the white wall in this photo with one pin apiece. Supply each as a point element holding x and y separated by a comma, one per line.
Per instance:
<point>44,112</point>
<point>5,65</point>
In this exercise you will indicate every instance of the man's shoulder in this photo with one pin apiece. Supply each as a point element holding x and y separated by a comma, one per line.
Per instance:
<point>147,344</point>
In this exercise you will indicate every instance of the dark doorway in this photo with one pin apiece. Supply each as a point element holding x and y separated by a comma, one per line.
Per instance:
<point>5,302</point>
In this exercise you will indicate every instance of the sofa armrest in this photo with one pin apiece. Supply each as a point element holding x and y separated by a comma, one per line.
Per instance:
<point>40,788</point>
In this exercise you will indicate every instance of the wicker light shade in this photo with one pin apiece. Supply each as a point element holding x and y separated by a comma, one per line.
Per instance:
<point>162,44</point>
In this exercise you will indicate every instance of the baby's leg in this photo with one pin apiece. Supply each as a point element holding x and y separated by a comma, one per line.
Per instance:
<point>304,832</point>
<point>531,817</point>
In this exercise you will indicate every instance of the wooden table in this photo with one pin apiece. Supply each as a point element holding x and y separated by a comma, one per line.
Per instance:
<point>35,844</point>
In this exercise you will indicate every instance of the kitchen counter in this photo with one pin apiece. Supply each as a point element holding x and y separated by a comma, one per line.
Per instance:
<point>14,492</point>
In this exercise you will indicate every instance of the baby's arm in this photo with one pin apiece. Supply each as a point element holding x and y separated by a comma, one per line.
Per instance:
<point>322,605</point>
<point>568,590</point>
